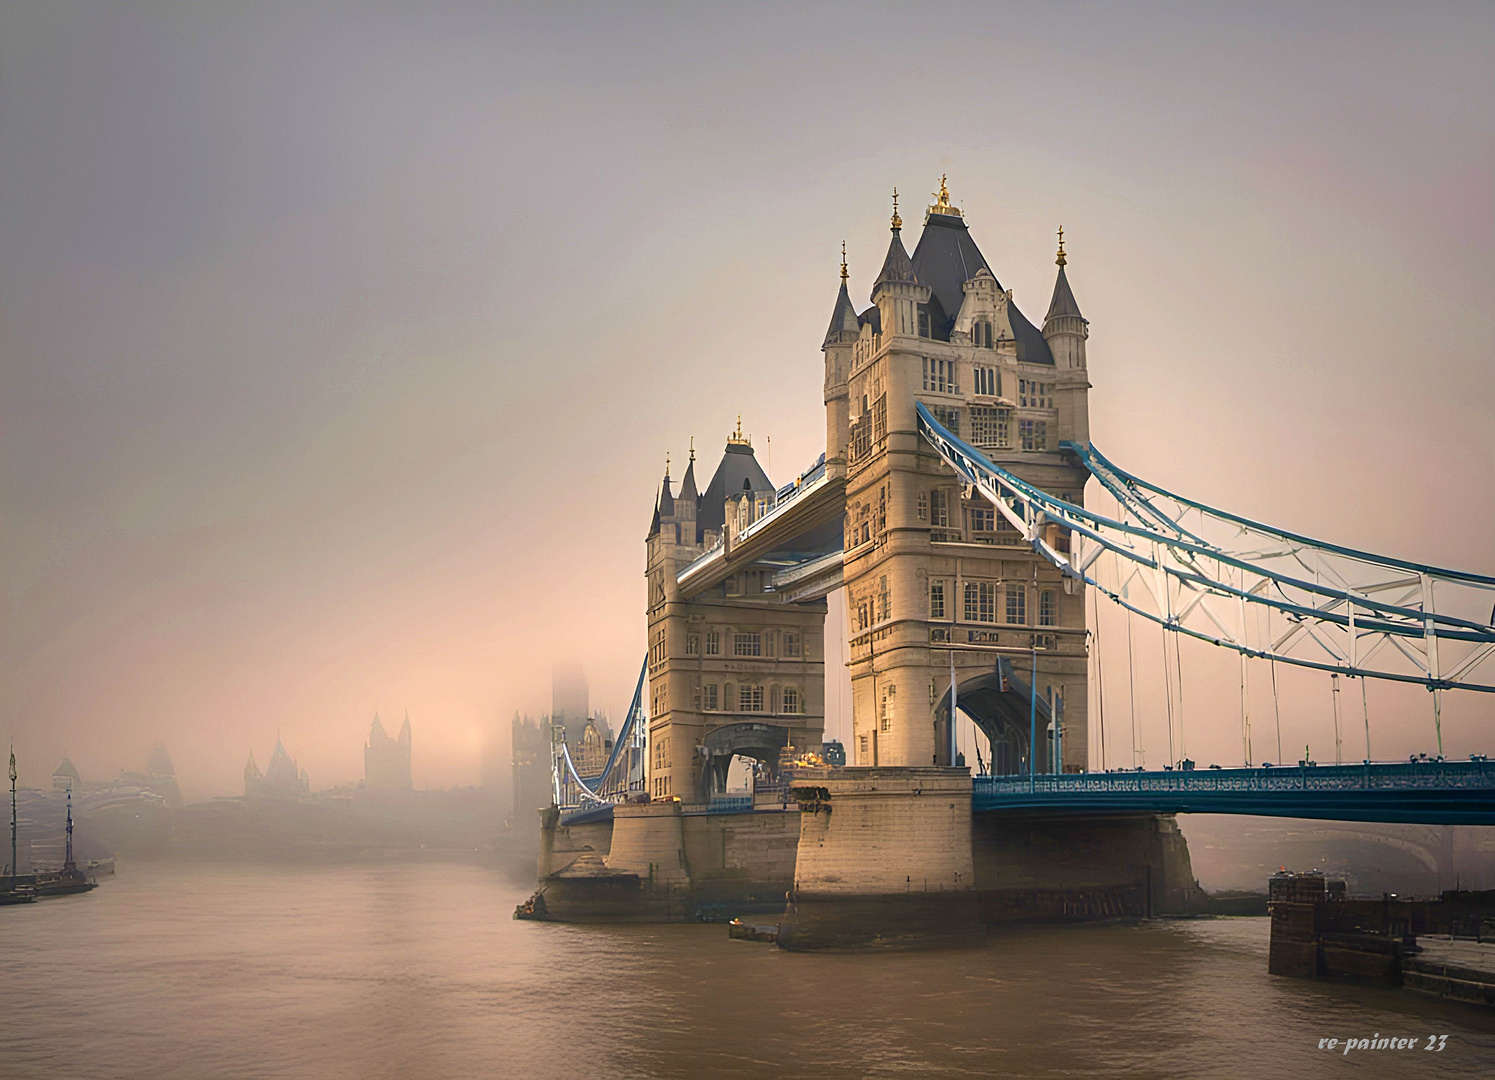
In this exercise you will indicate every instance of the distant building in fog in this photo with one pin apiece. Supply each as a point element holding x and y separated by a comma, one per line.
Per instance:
<point>568,699</point>
<point>386,761</point>
<point>530,764</point>
<point>65,777</point>
<point>280,780</point>
<point>594,750</point>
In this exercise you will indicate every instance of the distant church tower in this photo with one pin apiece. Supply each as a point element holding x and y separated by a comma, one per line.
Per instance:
<point>386,761</point>
<point>931,572</point>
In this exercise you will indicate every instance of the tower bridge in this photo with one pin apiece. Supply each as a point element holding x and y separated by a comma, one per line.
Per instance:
<point>949,510</point>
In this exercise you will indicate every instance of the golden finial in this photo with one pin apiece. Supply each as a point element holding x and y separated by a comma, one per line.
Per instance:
<point>667,463</point>
<point>843,260</point>
<point>897,221</point>
<point>736,438</point>
<point>942,201</point>
<point>692,448</point>
<point>1059,259</point>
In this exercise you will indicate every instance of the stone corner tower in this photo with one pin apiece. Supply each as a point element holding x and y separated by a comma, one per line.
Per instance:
<point>934,576</point>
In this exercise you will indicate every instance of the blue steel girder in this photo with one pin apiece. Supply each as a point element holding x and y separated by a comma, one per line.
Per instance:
<point>1423,792</point>
<point>1260,591</point>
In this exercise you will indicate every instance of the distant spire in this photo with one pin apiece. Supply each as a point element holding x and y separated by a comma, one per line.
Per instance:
<point>692,448</point>
<point>897,221</point>
<point>1059,259</point>
<point>843,260</point>
<point>667,464</point>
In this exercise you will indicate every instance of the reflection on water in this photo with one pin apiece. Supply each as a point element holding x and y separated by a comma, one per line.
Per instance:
<point>388,971</point>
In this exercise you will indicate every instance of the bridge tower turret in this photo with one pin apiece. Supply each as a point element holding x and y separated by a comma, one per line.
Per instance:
<point>840,341</point>
<point>1065,330</point>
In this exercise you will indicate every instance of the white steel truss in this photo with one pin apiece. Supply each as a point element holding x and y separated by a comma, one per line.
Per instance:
<point>1237,583</point>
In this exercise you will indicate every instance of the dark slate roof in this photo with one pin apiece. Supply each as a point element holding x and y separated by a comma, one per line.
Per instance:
<point>1063,302</point>
<point>739,471</point>
<point>688,483</point>
<point>945,258</point>
<point>844,324</point>
<point>896,266</point>
<point>666,498</point>
<point>872,316</point>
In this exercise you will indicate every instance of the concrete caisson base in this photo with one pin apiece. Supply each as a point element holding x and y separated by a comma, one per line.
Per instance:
<point>884,860</point>
<point>1036,867</point>
<point>661,862</point>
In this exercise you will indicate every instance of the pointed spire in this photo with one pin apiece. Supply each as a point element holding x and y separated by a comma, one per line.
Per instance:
<point>844,325</point>
<point>1063,304</point>
<point>688,481</point>
<point>896,267</point>
<point>666,496</point>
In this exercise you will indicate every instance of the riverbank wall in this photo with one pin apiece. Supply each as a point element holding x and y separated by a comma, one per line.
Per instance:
<point>1443,946</point>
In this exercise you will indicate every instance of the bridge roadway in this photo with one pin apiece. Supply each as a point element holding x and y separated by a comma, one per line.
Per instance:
<point>1424,792</point>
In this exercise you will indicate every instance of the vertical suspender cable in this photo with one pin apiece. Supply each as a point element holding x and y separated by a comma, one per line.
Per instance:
<point>1365,710</point>
<point>1131,685</point>
<point>1178,665</point>
<point>1334,686</point>
<point>1277,711</point>
<point>1100,682</point>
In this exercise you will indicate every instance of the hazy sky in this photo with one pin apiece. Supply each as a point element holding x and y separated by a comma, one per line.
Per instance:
<point>341,346</point>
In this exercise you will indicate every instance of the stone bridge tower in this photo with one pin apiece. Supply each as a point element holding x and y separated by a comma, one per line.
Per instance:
<point>736,669</point>
<point>931,572</point>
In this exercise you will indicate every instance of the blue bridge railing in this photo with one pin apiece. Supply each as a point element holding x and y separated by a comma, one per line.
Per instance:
<point>1427,792</point>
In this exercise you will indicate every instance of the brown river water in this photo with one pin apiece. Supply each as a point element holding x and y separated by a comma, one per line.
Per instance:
<point>371,971</point>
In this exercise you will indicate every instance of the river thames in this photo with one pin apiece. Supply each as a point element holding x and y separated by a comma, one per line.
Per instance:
<point>180,970</point>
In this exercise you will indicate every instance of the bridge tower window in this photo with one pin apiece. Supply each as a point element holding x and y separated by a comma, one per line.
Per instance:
<point>923,506</point>
<point>713,643</point>
<point>1017,604</point>
<point>980,601</point>
<point>939,507</point>
<point>692,643</point>
<point>884,599</point>
<point>709,698</point>
<point>923,322</point>
<point>791,699</point>
<point>888,708</point>
<point>1047,608</point>
<point>986,380</point>
<point>747,644</point>
<point>1035,434</point>
<point>791,643</point>
<point>936,599</point>
<point>749,698</point>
